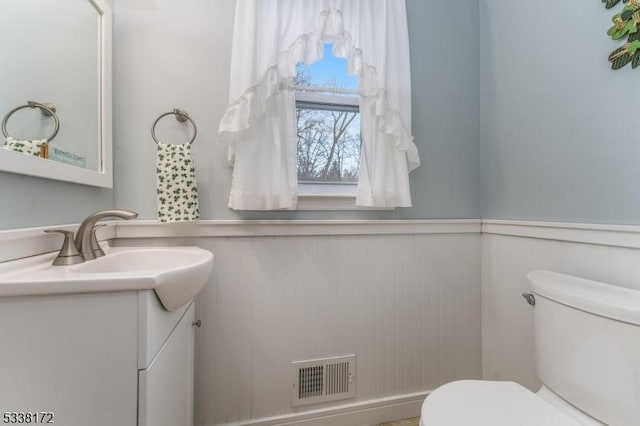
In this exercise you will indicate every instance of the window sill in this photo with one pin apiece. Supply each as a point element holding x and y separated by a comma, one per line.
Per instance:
<point>335,203</point>
<point>327,197</point>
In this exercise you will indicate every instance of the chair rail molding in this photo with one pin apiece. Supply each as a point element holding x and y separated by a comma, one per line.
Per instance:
<point>18,243</point>
<point>26,242</point>
<point>603,234</point>
<point>272,228</point>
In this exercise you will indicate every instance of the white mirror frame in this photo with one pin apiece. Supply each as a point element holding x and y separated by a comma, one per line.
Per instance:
<point>15,162</point>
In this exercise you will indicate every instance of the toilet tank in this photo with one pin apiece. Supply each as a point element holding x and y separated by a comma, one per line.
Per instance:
<point>587,338</point>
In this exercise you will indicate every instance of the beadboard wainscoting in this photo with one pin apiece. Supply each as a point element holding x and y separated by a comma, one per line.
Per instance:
<point>403,296</point>
<point>511,249</point>
<point>411,299</point>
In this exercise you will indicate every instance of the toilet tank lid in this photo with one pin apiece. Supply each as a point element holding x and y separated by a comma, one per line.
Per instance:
<point>618,303</point>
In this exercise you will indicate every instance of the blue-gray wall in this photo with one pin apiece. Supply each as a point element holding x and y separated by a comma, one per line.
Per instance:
<point>556,124</point>
<point>27,201</point>
<point>559,134</point>
<point>169,53</point>
<point>176,54</point>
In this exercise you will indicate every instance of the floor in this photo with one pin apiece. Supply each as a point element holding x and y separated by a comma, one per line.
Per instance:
<point>407,422</point>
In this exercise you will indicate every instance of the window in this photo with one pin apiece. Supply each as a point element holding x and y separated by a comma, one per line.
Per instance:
<point>328,128</point>
<point>259,122</point>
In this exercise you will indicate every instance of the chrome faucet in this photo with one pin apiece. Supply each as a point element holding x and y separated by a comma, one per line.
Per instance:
<point>86,229</point>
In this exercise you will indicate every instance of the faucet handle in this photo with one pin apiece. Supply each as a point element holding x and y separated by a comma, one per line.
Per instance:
<point>69,254</point>
<point>94,242</point>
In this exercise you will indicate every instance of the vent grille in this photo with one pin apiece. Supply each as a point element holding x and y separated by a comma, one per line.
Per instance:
<point>337,378</point>
<point>310,382</point>
<point>323,380</point>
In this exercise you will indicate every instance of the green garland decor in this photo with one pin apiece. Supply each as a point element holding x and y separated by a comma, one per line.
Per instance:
<point>625,24</point>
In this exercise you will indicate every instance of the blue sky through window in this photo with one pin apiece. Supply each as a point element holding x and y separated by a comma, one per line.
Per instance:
<point>328,139</point>
<point>329,69</point>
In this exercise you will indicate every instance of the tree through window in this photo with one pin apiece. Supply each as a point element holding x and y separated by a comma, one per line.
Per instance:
<point>328,122</point>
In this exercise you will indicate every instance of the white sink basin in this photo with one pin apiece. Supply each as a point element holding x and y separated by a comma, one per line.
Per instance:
<point>176,274</point>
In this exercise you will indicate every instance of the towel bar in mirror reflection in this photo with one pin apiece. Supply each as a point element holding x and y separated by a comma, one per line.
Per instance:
<point>73,39</point>
<point>47,109</point>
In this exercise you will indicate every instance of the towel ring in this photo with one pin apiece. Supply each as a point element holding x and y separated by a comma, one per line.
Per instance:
<point>48,110</point>
<point>181,116</point>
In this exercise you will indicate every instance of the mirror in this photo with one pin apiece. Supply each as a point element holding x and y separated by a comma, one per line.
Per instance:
<point>56,75</point>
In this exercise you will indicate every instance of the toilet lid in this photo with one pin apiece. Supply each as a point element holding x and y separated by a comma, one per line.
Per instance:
<point>480,403</point>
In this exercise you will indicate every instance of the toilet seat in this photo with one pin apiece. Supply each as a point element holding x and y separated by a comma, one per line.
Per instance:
<point>485,403</point>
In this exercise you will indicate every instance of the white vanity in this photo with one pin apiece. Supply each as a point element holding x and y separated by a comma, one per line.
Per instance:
<point>107,342</point>
<point>94,345</point>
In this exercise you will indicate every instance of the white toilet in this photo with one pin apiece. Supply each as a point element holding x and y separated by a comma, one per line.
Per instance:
<point>587,337</point>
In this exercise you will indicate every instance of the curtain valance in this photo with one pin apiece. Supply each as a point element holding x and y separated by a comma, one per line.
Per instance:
<point>270,39</point>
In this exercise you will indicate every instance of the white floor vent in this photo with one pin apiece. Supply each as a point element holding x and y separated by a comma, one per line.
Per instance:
<point>323,380</point>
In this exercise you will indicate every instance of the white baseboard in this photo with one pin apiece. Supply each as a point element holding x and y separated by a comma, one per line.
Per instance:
<point>357,414</point>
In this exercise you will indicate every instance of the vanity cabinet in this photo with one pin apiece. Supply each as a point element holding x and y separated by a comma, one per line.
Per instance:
<point>99,359</point>
<point>165,395</point>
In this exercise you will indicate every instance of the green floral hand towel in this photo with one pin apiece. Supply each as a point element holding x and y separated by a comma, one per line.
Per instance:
<point>177,190</point>
<point>26,147</point>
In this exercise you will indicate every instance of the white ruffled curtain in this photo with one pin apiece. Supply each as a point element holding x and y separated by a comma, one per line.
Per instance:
<point>270,38</point>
